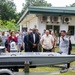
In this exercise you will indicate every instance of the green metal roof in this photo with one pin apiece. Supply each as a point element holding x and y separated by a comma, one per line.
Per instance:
<point>53,10</point>
<point>49,10</point>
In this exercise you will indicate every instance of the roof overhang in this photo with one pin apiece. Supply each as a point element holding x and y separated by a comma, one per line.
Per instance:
<point>48,11</point>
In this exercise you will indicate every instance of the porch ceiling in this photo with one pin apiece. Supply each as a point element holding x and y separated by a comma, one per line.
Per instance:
<point>28,18</point>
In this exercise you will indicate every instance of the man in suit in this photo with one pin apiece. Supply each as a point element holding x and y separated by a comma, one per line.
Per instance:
<point>33,40</point>
<point>26,47</point>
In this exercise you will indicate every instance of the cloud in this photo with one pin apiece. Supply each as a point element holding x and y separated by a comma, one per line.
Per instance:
<point>60,3</point>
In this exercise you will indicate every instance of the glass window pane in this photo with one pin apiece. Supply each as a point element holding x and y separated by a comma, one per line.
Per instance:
<point>48,27</point>
<point>54,27</point>
<point>71,30</point>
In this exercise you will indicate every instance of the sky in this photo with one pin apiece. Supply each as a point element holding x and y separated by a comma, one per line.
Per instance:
<point>55,3</point>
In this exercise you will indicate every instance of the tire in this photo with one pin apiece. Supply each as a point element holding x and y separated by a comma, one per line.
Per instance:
<point>4,74</point>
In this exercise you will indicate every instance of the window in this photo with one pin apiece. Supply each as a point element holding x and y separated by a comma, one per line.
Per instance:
<point>24,28</point>
<point>49,27</point>
<point>71,30</point>
<point>56,28</point>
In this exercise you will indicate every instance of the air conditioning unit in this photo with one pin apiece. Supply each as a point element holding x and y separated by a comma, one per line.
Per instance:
<point>56,19</point>
<point>67,20</point>
<point>43,18</point>
<point>48,19</point>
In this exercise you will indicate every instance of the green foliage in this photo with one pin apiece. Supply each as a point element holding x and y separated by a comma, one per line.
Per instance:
<point>0,39</point>
<point>41,3</point>
<point>8,15</point>
<point>1,22</point>
<point>11,25</point>
<point>7,10</point>
<point>8,25</point>
<point>73,5</point>
<point>35,3</point>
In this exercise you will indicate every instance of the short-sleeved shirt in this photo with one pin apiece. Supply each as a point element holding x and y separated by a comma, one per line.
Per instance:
<point>47,41</point>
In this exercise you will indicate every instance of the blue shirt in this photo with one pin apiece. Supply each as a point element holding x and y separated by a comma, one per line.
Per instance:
<point>20,39</point>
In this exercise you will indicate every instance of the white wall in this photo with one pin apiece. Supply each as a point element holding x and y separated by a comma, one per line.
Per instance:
<point>33,22</point>
<point>41,26</point>
<point>64,27</point>
<point>72,39</point>
<point>36,21</point>
<point>72,22</point>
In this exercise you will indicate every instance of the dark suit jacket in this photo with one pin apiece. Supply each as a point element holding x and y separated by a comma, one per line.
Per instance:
<point>31,39</point>
<point>26,43</point>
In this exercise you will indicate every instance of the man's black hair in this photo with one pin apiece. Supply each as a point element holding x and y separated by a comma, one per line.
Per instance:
<point>63,31</point>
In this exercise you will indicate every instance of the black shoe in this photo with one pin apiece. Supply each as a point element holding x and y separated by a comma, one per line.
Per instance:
<point>63,68</point>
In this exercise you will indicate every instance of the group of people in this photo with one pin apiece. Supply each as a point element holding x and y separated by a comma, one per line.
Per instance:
<point>10,40</point>
<point>29,41</point>
<point>33,41</point>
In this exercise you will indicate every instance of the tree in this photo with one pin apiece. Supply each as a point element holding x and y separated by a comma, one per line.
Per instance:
<point>8,25</point>
<point>7,10</point>
<point>35,3</point>
<point>41,3</point>
<point>73,5</point>
<point>8,15</point>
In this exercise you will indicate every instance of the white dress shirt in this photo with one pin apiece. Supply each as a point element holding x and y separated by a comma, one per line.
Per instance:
<point>34,37</point>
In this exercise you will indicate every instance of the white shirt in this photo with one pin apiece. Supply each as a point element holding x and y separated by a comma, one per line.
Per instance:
<point>34,37</point>
<point>47,41</point>
<point>64,45</point>
<point>17,35</point>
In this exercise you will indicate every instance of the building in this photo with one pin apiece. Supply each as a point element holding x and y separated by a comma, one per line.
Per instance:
<point>56,18</point>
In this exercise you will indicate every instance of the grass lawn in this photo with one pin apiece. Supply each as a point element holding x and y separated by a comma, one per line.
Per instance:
<point>50,69</point>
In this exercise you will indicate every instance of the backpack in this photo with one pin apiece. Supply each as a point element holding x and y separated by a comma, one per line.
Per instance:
<point>6,43</point>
